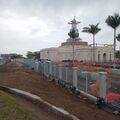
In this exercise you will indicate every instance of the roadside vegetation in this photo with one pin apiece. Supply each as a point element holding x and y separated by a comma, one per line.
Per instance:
<point>11,110</point>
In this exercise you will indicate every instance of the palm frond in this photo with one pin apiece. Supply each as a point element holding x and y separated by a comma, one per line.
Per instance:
<point>92,29</point>
<point>113,21</point>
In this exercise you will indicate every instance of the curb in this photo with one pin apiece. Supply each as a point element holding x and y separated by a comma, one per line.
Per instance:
<point>59,113</point>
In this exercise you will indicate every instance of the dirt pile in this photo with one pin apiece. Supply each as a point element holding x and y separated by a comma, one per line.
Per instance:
<point>18,76</point>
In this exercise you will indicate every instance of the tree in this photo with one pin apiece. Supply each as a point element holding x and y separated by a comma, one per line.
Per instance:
<point>92,29</point>
<point>29,55</point>
<point>33,55</point>
<point>36,55</point>
<point>117,54</point>
<point>73,34</point>
<point>113,22</point>
<point>118,37</point>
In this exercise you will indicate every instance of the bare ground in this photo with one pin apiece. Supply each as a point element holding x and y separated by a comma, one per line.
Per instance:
<point>17,76</point>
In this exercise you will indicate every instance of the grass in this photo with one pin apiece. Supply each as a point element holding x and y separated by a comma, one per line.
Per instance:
<point>11,110</point>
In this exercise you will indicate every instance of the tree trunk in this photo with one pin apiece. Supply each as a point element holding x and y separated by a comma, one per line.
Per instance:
<point>73,51</point>
<point>114,43</point>
<point>93,49</point>
<point>114,47</point>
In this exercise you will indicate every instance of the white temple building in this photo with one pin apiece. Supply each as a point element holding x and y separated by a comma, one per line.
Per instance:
<point>82,50</point>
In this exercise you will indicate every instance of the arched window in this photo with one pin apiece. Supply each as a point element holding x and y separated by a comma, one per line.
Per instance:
<point>104,57</point>
<point>98,57</point>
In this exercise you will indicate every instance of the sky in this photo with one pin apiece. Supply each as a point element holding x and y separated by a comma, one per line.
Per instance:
<point>31,25</point>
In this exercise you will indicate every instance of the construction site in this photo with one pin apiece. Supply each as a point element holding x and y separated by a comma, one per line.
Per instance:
<point>20,76</point>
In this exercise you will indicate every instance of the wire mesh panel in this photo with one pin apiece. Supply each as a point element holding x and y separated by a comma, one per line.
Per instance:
<point>46,68</point>
<point>36,66</point>
<point>63,73</point>
<point>40,67</point>
<point>31,63</point>
<point>81,76</point>
<point>113,89</point>
<point>93,83</point>
<point>2,61</point>
<point>43,69</point>
<point>56,71</point>
<point>69,75</point>
<point>53,70</point>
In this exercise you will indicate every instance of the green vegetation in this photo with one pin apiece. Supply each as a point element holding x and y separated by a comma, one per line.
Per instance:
<point>114,22</point>
<point>118,37</point>
<point>73,34</point>
<point>11,110</point>
<point>33,55</point>
<point>92,29</point>
<point>117,54</point>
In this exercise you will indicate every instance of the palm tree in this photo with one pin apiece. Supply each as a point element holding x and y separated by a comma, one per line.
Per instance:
<point>113,22</point>
<point>92,29</point>
<point>73,34</point>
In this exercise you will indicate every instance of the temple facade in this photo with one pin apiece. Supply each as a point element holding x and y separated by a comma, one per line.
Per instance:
<point>82,50</point>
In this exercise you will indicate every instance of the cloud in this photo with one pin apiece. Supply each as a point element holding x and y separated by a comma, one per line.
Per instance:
<point>36,24</point>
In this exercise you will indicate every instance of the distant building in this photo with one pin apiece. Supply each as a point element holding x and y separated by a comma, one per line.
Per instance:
<point>5,57</point>
<point>82,51</point>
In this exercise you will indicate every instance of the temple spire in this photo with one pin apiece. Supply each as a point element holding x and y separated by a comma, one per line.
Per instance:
<point>74,23</point>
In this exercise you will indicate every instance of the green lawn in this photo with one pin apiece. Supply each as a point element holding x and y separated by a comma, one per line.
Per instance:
<point>11,110</point>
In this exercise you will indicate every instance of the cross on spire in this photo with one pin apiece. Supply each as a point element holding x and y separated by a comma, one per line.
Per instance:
<point>74,23</point>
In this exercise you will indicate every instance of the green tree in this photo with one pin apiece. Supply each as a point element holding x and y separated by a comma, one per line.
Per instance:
<point>113,22</point>
<point>118,37</point>
<point>73,34</point>
<point>117,54</point>
<point>36,55</point>
<point>29,55</point>
<point>33,55</point>
<point>92,29</point>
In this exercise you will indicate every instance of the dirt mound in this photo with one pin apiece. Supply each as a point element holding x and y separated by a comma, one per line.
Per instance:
<point>22,78</point>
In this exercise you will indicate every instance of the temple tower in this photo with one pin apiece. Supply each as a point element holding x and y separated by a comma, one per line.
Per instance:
<point>78,40</point>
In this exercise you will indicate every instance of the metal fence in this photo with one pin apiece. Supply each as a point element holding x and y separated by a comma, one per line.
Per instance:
<point>113,91</point>
<point>2,61</point>
<point>92,83</point>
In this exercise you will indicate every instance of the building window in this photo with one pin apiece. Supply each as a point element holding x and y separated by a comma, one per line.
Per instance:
<point>98,57</point>
<point>104,57</point>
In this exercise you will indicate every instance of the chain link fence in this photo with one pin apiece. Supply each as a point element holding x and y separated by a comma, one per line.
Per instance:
<point>89,82</point>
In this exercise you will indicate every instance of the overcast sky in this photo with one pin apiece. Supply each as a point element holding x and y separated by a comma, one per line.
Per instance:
<point>31,25</point>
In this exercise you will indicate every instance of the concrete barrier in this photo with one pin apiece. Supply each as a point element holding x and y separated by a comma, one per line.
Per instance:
<point>59,113</point>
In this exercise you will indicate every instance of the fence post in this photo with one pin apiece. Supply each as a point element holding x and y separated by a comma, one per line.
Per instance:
<point>75,78</point>
<point>60,71</point>
<point>66,74</point>
<point>86,84</point>
<point>102,85</point>
<point>36,66</point>
<point>50,68</point>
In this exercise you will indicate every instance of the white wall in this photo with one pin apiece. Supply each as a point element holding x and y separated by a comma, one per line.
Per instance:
<point>81,53</point>
<point>49,53</point>
<point>105,49</point>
